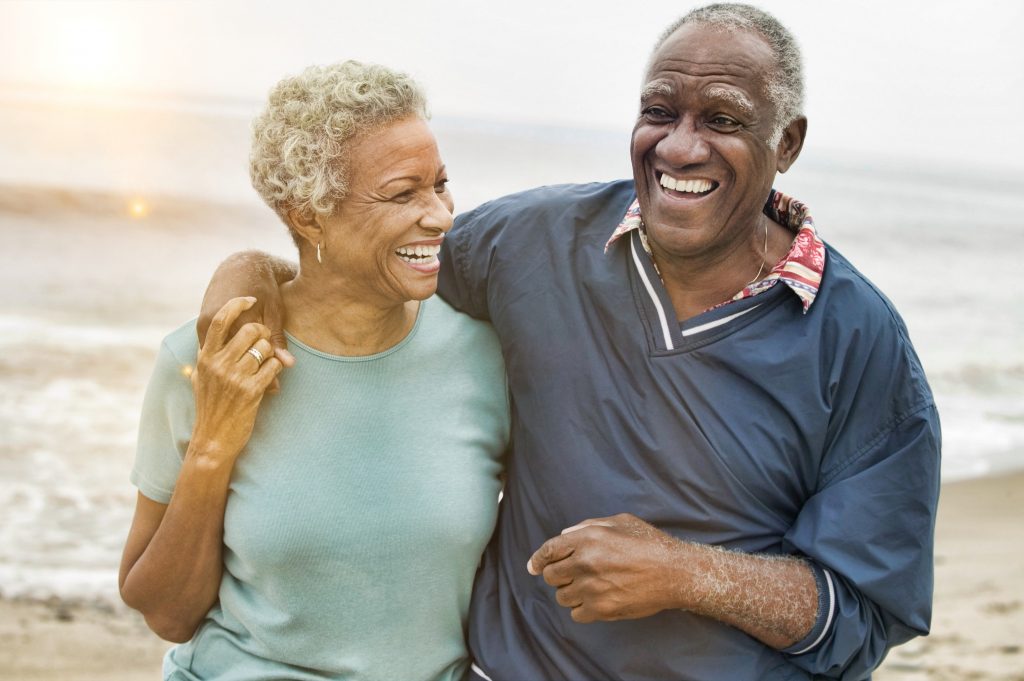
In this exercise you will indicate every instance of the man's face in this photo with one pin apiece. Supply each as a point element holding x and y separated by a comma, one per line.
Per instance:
<point>701,159</point>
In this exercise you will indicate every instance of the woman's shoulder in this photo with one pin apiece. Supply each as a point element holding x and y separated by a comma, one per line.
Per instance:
<point>444,324</point>
<point>175,360</point>
<point>182,344</point>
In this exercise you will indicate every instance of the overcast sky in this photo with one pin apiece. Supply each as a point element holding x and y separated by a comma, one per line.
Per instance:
<point>937,81</point>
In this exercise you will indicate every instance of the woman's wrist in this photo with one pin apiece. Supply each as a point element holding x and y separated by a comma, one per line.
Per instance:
<point>209,454</point>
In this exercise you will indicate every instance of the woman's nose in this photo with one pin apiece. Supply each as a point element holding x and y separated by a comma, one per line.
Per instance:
<point>438,214</point>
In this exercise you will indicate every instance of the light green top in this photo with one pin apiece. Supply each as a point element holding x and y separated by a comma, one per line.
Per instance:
<point>357,513</point>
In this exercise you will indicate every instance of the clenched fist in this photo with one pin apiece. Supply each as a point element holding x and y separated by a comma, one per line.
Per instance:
<point>613,568</point>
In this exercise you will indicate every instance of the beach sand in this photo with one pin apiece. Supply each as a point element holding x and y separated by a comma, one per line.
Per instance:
<point>62,641</point>
<point>977,629</point>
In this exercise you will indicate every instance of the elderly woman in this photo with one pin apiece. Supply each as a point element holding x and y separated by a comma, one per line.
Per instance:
<point>336,533</point>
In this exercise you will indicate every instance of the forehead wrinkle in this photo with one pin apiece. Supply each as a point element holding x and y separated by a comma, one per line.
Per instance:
<point>734,97</point>
<point>737,65</point>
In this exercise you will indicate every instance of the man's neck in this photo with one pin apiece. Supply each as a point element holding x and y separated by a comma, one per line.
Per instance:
<point>696,284</point>
<point>332,316</point>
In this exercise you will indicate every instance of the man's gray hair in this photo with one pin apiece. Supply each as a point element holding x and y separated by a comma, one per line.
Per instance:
<point>785,87</point>
<point>299,158</point>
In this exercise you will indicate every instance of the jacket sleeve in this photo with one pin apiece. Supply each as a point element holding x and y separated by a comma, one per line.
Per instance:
<point>868,529</point>
<point>463,278</point>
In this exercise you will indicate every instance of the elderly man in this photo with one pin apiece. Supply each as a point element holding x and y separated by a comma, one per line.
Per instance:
<point>726,455</point>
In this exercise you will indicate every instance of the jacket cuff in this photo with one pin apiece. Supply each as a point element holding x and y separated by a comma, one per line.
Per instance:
<point>826,612</point>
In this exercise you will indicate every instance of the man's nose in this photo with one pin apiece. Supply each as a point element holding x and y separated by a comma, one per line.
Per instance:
<point>684,144</point>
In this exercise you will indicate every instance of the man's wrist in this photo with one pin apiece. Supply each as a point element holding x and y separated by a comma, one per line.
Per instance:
<point>688,563</point>
<point>283,270</point>
<point>267,266</point>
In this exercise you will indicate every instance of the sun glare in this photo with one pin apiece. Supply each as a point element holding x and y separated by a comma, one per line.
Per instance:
<point>138,208</point>
<point>85,52</point>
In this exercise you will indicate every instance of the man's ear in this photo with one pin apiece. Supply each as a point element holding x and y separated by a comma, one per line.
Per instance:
<point>791,143</point>
<point>306,226</point>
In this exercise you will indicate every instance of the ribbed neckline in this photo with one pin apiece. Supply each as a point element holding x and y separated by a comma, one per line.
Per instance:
<point>292,340</point>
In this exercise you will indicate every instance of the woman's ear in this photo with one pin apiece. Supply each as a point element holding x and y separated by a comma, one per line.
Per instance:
<point>306,225</point>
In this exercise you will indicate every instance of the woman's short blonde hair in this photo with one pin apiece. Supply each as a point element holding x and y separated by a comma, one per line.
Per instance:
<point>300,142</point>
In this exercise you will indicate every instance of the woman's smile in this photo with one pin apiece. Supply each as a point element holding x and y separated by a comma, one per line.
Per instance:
<point>421,255</point>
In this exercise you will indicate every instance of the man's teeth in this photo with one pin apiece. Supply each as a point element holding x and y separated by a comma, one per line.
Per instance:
<point>417,254</point>
<point>690,186</point>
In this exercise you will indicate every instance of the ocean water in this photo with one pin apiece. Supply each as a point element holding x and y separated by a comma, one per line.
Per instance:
<point>91,284</point>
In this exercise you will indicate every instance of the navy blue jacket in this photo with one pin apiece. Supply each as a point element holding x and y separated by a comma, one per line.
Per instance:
<point>771,431</point>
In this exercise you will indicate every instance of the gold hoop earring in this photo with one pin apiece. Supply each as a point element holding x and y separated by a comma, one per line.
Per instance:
<point>318,258</point>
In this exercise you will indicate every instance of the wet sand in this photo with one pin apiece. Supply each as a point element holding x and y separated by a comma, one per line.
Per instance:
<point>977,629</point>
<point>62,641</point>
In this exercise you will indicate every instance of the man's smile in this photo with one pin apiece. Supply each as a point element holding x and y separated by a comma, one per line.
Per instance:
<point>685,187</point>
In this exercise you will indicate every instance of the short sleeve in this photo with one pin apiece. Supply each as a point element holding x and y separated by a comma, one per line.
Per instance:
<point>165,427</point>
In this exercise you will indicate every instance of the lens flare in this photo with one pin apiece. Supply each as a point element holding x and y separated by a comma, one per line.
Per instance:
<point>138,208</point>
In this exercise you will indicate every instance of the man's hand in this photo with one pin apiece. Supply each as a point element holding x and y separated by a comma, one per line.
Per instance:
<point>611,568</point>
<point>623,568</point>
<point>250,274</point>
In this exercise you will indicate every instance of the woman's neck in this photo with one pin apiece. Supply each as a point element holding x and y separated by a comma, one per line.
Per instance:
<point>331,317</point>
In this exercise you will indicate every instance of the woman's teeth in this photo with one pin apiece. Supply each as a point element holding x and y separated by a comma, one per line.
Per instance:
<point>417,254</point>
<point>688,186</point>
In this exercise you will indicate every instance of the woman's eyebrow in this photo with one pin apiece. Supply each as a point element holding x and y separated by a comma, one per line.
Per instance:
<point>412,178</point>
<point>415,179</point>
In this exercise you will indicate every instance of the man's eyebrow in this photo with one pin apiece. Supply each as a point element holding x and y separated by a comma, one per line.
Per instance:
<point>734,97</point>
<point>652,89</point>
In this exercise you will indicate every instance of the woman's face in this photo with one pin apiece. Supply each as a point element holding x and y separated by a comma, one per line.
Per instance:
<point>385,236</point>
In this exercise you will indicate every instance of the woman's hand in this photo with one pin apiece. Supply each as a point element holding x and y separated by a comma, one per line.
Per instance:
<point>251,273</point>
<point>230,381</point>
